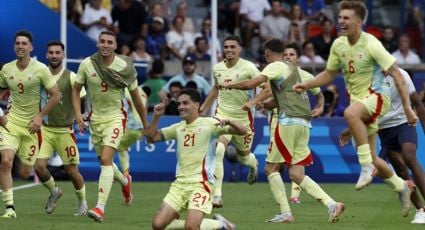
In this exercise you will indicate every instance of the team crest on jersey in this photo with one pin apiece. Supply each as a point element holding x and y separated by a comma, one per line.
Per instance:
<point>11,78</point>
<point>112,142</point>
<point>93,75</point>
<point>361,55</point>
<point>343,55</point>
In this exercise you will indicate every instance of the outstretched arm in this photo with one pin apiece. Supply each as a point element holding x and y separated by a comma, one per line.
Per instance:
<point>235,127</point>
<point>320,103</point>
<point>247,84</point>
<point>323,78</point>
<point>262,96</point>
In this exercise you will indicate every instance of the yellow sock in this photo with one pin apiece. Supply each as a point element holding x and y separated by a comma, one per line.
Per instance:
<point>295,190</point>
<point>124,161</point>
<point>364,154</point>
<point>248,160</point>
<point>207,224</point>
<point>118,176</point>
<point>278,191</point>
<point>210,224</point>
<point>81,194</point>
<point>312,188</point>
<point>395,182</point>
<point>50,184</point>
<point>7,197</point>
<point>219,170</point>
<point>105,183</point>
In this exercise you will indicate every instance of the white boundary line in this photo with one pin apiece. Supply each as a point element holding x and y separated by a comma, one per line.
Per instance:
<point>24,186</point>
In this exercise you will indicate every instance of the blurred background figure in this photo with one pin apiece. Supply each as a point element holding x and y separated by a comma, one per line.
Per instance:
<point>332,104</point>
<point>309,55</point>
<point>389,39</point>
<point>404,54</point>
<point>95,19</point>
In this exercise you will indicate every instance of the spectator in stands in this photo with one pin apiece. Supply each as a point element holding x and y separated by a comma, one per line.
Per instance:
<point>251,14</point>
<point>74,12</point>
<point>275,25</point>
<point>322,43</point>
<point>129,18</point>
<point>201,49</point>
<point>189,68</point>
<point>155,82</point>
<point>155,41</point>
<point>95,19</point>
<point>157,10</point>
<point>181,11</point>
<point>332,104</point>
<point>404,54</point>
<point>139,52</point>
<point>297,30</point>
<point>415,26</point>
<point>174,91</point>
<point>389,40</point>
<point>125,50</point>
<point>228,16</point>
<point>178,40</point>
<point>206,33</point>
<point>312,9</point>
<point>309,55</point>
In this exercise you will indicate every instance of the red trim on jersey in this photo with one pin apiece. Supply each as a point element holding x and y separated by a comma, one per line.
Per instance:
<point>251,121</point>
<point>204,177</point>
<point>378,108</point>
<point>40,139</point>
<point>285,153</point>
<point>73,137</point>
<point>124,120</point>
<point>271,118</point>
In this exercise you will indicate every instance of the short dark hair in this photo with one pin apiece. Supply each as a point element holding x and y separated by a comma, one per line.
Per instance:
<point>275,45</point>
<point>157,66</point>
<point>24,33</point>
<point>197,39</point>
<point>294,46</point>
<point>357,5</point>
<point>175,84</point>
<point>193,94</point>
<point>108,32</point>
<point>233,38</point>
<point>56,43</point>
<point>191,85</point>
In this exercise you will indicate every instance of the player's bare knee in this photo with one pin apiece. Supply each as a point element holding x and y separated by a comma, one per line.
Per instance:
<point>157,224</point>
<point>6,163</point>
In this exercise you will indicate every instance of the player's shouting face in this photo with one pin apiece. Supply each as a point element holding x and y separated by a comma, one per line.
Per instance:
<point>348,22</point>
<point>107,44</point>
<point>231,49</point>
<point>23,47</point>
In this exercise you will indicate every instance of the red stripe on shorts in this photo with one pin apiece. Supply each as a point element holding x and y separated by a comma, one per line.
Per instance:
<point>251,121</point>
<point>204,177</point>
<point>281,147</point>
<point>378,108</point>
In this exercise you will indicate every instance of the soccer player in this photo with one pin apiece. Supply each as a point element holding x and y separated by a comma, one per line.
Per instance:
<point>106,75</point>
<point>232,69</point>
<point>196,138</point>
<point>399,141</point>
<point>133,133</point>
<point>24,77</point>
<point>361,57</point>
<point>292,133</point>
<point>58,133</point>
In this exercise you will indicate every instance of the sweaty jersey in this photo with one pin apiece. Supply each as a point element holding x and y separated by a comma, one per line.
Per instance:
<point>106,101</point>
<point>276,73</point>
<point>196,144</point>
<point>133,119</point>
<point>230,101</point>
<point>395,115</point>
<point>361,64</point>
<point>25,88</point>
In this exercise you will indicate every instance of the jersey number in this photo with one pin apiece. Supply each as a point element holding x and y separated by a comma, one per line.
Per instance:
<point>247,139</point>
<point>189,140</point>
<point>351,67</point>
<point>20,88</point>
<point>70,151</point>
<point>116,133</point>
<point>197,196</point>
<point>104,86</point>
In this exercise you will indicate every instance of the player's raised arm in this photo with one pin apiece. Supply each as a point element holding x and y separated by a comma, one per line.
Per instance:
<point>323,78</point>
<point>152,134</point>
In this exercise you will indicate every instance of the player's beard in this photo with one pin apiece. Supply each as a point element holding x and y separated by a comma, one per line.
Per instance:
<point>55,65</point>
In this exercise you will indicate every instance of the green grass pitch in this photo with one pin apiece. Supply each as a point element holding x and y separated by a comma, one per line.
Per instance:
<point>375,207</point>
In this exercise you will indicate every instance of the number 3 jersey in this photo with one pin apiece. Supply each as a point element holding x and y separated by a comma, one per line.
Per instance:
<point>25,88</point>
<point>196,143</point>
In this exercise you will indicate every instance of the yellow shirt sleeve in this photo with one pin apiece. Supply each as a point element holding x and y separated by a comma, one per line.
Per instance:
<point>380,54</point>
<point>333,59</point>
<point>276,70</point>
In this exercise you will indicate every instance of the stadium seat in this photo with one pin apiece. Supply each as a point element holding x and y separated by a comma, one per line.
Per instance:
<point>375,31</point>
<point>314,30</point>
